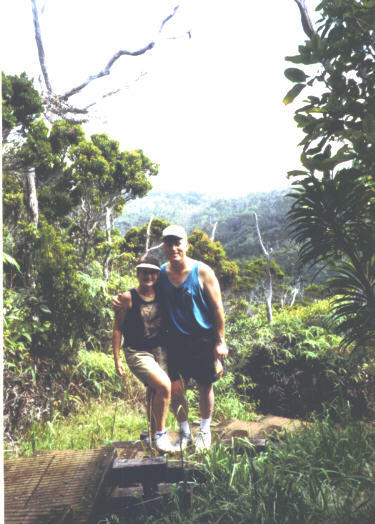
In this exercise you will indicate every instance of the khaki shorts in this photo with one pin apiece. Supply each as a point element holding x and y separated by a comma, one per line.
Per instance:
<point>142,363</point>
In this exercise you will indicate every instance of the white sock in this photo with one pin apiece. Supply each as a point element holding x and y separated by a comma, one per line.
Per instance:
<point>205,424</point>
<point>159,434</point>
<point>185,428</point>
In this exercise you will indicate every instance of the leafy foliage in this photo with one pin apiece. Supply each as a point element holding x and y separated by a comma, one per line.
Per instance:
<point>296,364</point>
<point>254,273</point>
<point>21,103</point>
<point>135,239</point>
<point>333,210</point>
<point>213,254</point>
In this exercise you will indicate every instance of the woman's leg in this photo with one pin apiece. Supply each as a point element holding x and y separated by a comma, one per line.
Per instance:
<point>160,398</point>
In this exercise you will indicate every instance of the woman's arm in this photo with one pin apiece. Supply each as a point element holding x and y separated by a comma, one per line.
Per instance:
<point>120,314</point>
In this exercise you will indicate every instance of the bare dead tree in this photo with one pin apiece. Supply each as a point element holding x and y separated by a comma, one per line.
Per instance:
<point>108,230</point>
<point>268,282</point>
<point>58,104</point>
<point>39,43</point>
<point>212,238</point>
<point>31,201</point>
<point>294,293</point>
<point>148,239</point>
<point>31,205</point>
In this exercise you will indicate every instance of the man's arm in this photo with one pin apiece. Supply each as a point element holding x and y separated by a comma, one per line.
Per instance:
<point>120,314</point>
<point>211,289</point>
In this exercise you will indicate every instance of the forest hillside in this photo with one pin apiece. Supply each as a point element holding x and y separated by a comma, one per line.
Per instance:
<point>297,273</point>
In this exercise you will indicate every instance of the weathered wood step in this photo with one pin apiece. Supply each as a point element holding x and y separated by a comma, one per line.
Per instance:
<point>125,472</point>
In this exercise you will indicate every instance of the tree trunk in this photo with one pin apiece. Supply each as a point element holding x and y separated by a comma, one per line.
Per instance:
<point>108,229</point>
<point>31,204</point>
<point>213,232</point>
<point>268,282</point>
<point>148,239</point>
<point>31,200</point>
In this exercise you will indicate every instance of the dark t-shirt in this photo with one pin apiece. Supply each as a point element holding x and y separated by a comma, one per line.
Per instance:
<point>142,327</point>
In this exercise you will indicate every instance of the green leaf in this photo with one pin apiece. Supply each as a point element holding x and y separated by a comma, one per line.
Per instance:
<point>295,75</point>
<point>296,59</point>
<point>45,309</point>
<point>7,259</point>
<point>296,172</point>
<point>293,93</point>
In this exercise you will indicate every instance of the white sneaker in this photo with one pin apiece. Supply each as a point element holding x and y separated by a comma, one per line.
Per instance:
<point>163,444</point>
<point>203,441</point>
<point>183,441</point>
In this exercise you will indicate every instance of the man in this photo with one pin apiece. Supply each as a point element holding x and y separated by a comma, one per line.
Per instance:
<point>191,295</point>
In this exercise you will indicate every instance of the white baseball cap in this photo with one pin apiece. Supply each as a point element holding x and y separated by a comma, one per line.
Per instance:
<point>174,231</point>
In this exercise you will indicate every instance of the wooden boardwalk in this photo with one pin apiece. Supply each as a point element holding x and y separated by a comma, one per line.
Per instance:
<point>54,487</point>
<point>75,486</point>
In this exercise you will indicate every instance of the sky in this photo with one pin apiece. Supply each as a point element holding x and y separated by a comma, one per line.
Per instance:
<point>208,109</point>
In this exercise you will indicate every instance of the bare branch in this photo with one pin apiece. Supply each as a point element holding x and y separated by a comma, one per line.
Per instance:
<point>155,247</point>
<point>305,18</point>
<point>148,238</point>
<point>111,93</point>
<point>260,236</point>
<point>107,69</point>
<point>56,105</point>
<point>148,235</point>
<point>39,43</point>
<point>168,18</point>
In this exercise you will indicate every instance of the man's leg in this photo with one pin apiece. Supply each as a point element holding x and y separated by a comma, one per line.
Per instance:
<point>180,409</point>
<point>206,405</point>
<point>178,403</point>
<point>206,400</point>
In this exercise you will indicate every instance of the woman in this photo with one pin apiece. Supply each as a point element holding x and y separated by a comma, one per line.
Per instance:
<point>139,321</point>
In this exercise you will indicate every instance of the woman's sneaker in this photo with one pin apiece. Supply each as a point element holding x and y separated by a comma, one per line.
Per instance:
<point>162,442</point>
<point>203,441</point>
<point>183,441</point>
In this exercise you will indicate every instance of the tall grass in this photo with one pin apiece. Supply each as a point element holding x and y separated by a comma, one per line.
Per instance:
<point>323,474</point>
<point>95,425</point>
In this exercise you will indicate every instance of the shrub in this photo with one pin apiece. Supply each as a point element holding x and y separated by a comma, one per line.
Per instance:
<point>297,363</point>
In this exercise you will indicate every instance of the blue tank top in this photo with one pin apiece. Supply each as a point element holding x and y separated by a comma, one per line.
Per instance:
<point>187,307</point>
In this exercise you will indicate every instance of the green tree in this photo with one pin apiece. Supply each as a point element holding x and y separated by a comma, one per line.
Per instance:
<point>21,103</point>
<point>61,192</point>
<point>251,276</point>
<point>333,210</point>
<point>135,238</point>
<point>213,254</point>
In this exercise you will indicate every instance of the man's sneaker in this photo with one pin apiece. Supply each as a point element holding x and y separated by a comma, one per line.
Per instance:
<point>162,443</point>
<point>203,441</point>
<point>183,441</point>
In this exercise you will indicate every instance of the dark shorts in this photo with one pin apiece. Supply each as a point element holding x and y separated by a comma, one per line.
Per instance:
<point>191,356</point>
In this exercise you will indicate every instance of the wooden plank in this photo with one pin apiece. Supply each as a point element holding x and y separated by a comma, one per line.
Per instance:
<point>54,487</point>
<point>125,472</point>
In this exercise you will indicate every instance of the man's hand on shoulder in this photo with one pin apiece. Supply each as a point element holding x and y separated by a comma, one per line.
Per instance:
<point>120,301</point>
